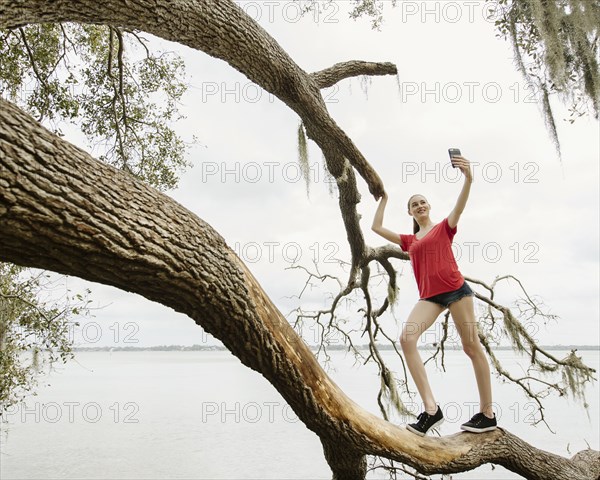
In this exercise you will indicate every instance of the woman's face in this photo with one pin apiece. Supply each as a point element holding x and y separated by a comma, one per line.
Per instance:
<point>418,207</point>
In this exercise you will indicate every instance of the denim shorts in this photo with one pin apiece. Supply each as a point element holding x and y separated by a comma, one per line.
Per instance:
<point>446,298</point>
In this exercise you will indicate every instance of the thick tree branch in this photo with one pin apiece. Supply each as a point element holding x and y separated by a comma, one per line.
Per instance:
<point>353,68</point>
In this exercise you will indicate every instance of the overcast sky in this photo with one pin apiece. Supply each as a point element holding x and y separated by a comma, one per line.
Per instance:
<point>529,214</point>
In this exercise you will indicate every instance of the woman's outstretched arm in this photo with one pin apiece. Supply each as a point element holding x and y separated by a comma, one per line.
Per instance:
<point>465,168</point>
<point>378,227</point>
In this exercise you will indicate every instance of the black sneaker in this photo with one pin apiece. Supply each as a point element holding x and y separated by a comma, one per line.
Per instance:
<point>480,423</point>
<point>425,422</point>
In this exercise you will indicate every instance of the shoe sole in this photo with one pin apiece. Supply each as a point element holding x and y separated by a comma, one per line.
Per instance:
<point>422,434</point>
<point>478,430</point>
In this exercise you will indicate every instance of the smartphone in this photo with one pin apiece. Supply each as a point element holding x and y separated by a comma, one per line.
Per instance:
<point>453,152</point>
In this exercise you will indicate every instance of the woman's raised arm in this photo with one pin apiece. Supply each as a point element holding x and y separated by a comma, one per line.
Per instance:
<point>378,227</point>
<point>461,202</point>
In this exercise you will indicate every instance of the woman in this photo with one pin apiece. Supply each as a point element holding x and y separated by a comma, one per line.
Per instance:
<point>441,286</point>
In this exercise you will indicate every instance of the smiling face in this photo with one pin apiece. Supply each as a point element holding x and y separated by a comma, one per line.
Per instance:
<point>418,207</point>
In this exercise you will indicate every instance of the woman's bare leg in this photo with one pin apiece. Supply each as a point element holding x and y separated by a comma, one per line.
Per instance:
<point>463,315</point>
<point>420,319</point>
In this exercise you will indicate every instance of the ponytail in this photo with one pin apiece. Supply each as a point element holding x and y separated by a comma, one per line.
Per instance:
<point>416,226</point>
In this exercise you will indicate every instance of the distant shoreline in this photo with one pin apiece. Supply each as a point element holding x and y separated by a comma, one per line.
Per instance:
<point>216,348</point>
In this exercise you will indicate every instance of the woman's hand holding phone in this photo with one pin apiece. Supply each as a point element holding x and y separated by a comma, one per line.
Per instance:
<point>453,152</point>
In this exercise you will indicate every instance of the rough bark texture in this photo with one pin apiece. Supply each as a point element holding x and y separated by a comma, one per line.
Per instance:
<point>62,210</point>
<point>332,75</point>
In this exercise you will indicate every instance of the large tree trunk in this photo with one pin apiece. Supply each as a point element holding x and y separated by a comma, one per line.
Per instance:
<point>62,210</point>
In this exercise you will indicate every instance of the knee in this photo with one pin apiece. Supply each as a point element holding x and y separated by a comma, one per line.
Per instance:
<point>408,343</point>
<point>409,337</point>
<point>472,349</point>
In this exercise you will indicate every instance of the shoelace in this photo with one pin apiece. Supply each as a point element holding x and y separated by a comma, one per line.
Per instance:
<point>422,417</point>
<point>477,419</point>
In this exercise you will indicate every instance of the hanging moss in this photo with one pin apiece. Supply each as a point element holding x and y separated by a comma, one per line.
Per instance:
<point>555,45</point>
<point>392,294</point>
<point>575,375</point>
<point>303,157</point>
<point>389,389</point>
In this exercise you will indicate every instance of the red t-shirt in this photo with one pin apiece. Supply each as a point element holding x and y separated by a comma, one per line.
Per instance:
<point>433,261</point>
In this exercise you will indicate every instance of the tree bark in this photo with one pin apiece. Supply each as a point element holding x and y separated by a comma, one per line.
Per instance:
<point>332,75</point>
<point>64,211</point>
